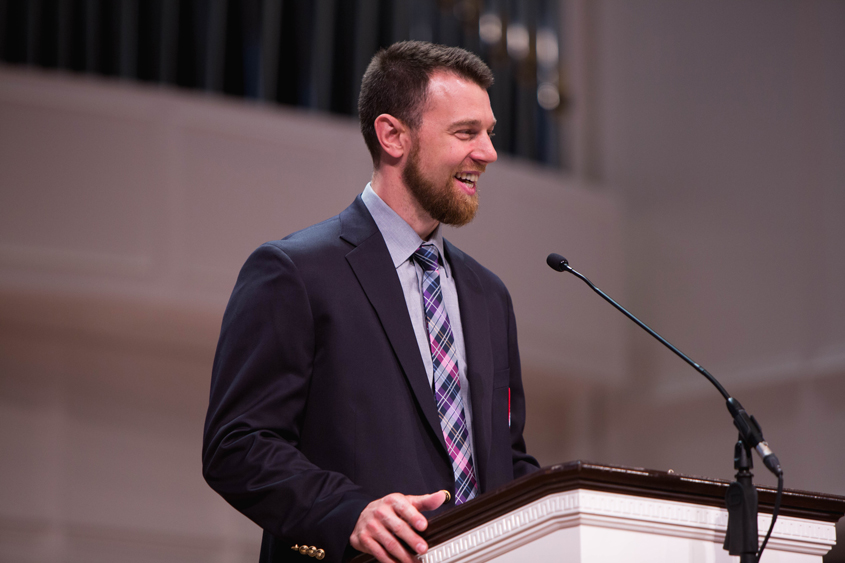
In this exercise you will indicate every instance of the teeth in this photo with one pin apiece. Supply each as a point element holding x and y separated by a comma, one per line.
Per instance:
<point>471,178</point>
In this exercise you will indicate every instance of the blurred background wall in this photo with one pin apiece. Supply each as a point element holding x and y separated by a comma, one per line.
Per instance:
<point>688,157</point>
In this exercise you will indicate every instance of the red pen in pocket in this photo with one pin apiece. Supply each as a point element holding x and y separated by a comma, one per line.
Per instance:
<point>509,407</point>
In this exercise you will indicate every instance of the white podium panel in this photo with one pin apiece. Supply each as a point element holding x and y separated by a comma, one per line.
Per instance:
<point>583,526</point>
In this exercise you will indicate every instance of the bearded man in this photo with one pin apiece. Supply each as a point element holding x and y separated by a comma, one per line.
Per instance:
<point>367,370</point>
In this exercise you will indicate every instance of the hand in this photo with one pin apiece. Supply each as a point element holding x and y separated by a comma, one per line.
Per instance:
<point>387,520</point>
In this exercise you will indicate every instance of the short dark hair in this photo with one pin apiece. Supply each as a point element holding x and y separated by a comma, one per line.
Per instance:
<point>396,82</point>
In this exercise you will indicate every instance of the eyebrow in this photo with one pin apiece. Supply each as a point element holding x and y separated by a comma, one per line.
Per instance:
<point>470,123</point>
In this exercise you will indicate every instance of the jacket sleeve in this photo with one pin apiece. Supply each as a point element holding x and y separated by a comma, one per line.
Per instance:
<point>259,393</point>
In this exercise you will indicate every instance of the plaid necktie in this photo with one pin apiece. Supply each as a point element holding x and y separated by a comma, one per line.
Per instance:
<point>447,386</point>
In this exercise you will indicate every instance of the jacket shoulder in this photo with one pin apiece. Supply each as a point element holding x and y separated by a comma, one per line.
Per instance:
<point>337,234</point>
<point>310,239</point>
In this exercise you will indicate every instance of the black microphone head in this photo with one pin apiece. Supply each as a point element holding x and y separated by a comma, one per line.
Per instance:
<point>557,262</point>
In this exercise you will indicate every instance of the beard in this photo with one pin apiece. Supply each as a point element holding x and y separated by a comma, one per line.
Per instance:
<point>442,202</point>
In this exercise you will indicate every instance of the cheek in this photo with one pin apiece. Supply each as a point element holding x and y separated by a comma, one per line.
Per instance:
<point>446,158</point>
<point>455,155</point>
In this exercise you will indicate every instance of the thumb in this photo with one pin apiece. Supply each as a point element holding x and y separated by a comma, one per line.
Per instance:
<point>429,502</point>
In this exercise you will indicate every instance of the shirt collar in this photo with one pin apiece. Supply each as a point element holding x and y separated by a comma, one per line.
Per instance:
<point>401,239</point>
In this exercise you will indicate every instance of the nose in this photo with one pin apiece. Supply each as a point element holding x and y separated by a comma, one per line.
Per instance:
<point>484,151</point>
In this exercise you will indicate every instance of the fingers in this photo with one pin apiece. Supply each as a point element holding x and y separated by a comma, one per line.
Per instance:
<point>386,521</point>
<point>429,502</point>
<point>385,547</point>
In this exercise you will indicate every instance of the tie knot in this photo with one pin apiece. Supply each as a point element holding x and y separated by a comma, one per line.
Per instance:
<point>427,257</point>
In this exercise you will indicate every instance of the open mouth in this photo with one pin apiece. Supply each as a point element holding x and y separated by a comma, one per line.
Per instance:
<point>468,179</point>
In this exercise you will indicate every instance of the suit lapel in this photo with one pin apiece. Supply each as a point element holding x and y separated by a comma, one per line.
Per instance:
<point>371,263</point>
<point>479,354</point>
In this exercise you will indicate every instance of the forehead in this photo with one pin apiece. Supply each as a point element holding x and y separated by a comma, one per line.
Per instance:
<point>451,99</point>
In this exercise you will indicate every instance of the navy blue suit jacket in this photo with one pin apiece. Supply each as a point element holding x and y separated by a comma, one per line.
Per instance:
<point>319,398</point>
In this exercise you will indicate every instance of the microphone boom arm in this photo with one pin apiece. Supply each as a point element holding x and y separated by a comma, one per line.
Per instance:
<point>747,425</point>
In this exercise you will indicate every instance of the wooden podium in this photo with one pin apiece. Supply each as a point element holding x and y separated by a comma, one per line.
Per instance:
<point>588,513</point>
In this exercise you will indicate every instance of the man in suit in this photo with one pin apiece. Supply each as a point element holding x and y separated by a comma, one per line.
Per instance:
<point>367,370</point>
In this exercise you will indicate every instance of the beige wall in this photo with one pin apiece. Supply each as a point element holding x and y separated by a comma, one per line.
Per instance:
<point>722,129</point>
<point>713,135</point>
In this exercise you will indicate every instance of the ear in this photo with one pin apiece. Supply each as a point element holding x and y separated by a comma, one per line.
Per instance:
<point>392,135</point>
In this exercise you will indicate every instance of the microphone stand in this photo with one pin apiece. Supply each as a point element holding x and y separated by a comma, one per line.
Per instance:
<point>741,497</point>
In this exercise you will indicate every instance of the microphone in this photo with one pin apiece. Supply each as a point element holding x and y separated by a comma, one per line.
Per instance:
<point>557,262</point>
<point>747,425</point>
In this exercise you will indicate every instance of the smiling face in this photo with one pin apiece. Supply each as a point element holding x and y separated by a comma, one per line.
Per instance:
<point>451,149</point>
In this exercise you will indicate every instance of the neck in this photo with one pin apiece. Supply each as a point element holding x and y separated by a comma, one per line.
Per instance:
<point>393,191</point>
